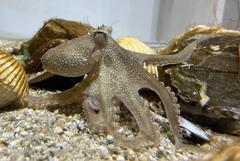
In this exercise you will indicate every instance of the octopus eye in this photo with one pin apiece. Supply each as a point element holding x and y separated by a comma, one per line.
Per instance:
<point>100,39</point>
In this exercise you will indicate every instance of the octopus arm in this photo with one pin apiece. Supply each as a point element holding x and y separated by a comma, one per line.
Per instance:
<point>38,78</point>
<point>147,134</point>
<point>66,97</point>
<point>171,107</point>
<point>180,57</point>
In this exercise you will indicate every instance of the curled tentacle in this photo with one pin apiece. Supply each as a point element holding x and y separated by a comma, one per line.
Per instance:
<point>172,110</point>
<point>169,101</point>
<point>147,134</point>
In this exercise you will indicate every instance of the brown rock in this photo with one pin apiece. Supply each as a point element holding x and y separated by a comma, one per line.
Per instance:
<point>208,85</point>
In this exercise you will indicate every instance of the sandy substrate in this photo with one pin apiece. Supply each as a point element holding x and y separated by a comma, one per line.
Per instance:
<point>27,134</point>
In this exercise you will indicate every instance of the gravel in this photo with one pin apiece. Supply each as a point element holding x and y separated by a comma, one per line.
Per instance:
<point>28,134</point>
<point>10,45</point>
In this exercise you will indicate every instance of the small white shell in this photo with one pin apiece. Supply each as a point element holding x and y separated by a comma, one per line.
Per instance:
<point>13,80</point>
<point>136,45</point>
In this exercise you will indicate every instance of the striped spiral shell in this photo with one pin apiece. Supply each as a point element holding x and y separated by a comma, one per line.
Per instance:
<point>136,45</point>
<point>13,80</point>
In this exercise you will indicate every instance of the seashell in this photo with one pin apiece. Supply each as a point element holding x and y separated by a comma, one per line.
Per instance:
<point>133,44</point>
<point>13,80</point>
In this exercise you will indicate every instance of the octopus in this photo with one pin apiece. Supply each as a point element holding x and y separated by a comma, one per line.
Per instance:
<point>114,77</point>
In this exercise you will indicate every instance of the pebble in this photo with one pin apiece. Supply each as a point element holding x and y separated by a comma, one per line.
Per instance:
<point>151,158</point>
<point>18,129</point>
<point>61,145</point>
<point>14,143</point>
<point>109,139</point>
<point>8,135</point>
<point>58,130</point>
<point>120,158</point>
<point>38,148</point>
<point>69,133</point>
<point>24,133</point>
<point>81,127</point>
<point>53,159</point>
<point>103,150</point>
<point>159,153</point>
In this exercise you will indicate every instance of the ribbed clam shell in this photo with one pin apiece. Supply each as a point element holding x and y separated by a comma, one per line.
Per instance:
<point>136,45</point>
<point>13,81</point>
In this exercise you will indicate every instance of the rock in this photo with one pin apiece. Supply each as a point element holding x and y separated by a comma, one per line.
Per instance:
<point>38,148</point>
<point>209,90</point>
<point>58,130</point>
<point>159,153</point>
<point>8,135</point>
<point>81,127</point>
<point>61,145</point>
<point>120,158</point>
<point>15,142</point>
<point>103,150</point>
<point>109,139</point>
<point>150,158</point>
<point>24,133</point>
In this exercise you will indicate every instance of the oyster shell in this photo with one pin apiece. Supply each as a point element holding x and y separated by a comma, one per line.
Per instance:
<point>13,81</point>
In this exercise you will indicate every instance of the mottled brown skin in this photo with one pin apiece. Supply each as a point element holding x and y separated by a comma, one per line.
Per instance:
<point>113,75</point>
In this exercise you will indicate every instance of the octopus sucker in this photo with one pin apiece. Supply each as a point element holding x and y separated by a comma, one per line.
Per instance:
<point>146,129</point>
<point>146,133</point>
<point>170,107</point>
